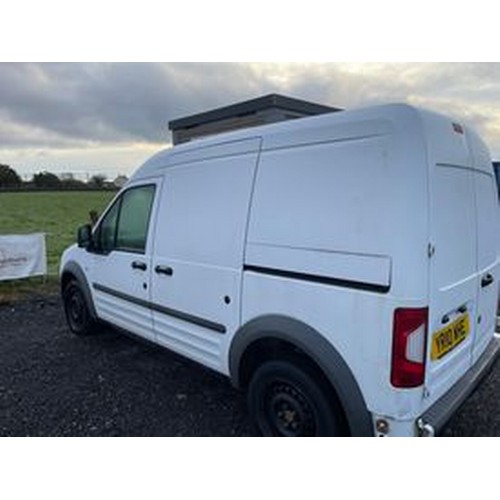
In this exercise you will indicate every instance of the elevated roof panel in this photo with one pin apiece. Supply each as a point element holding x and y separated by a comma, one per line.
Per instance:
<point>271,101</point>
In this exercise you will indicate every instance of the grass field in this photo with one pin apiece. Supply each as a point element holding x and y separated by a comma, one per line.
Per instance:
<point>58,214</point>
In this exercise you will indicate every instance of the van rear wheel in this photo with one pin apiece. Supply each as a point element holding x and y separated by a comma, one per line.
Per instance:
<point>77,312</point>
<point>286,399</point>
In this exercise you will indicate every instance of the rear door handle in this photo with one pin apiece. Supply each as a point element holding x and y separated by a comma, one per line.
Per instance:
<point>487,280</point>
<point>137,264</point>
<point>166,270</point>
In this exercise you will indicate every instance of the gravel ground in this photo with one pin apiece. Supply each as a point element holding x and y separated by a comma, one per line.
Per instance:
<point>55,384</point>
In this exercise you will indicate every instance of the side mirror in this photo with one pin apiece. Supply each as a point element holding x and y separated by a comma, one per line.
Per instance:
<point>84,237</point>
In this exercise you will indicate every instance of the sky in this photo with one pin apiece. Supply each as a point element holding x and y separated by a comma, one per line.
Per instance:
<point>107,118</point>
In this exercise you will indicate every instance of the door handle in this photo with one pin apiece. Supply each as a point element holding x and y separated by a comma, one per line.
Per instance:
<point>166,270</point>
<point>487,280</point>
<point>137,264</point>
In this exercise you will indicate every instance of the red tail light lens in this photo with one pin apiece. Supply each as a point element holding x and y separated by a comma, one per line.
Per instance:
<point>409,347</point>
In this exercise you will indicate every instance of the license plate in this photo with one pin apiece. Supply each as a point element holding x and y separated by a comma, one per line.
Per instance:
<point>446,339</point>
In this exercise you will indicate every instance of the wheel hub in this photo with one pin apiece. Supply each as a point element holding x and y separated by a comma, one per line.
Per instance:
<point>76,308</point>
<point>290,412</point>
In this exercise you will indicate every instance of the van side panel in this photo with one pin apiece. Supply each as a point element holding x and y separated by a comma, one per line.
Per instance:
<point>356,322</point>
<point>312,200</point>
<point>338,239</point>
<point>353,209</point>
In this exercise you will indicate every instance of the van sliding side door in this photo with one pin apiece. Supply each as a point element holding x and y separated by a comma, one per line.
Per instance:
<point>198,260</point>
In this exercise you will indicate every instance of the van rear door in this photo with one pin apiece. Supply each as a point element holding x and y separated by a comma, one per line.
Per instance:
<point>453,276</point>
<point>487,212</point>
<point>464,233</point>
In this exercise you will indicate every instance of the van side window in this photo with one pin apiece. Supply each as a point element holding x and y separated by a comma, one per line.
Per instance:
<point>107,229</point>
<point>133,222</point>
<point>125,226</point>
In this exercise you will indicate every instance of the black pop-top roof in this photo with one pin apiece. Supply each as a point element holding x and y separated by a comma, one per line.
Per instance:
<point>252,106</point>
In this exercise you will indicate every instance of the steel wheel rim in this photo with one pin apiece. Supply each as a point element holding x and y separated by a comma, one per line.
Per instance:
<point>76,310</point>
<point>289,411</point>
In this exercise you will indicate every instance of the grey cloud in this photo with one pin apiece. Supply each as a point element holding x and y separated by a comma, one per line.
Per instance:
<point>468,91</point>
<point>74,105</point>
<point>473,82</point>
<point>119,102</point>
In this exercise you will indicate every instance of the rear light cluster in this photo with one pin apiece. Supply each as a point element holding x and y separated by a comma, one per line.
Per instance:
<point>409,347</point>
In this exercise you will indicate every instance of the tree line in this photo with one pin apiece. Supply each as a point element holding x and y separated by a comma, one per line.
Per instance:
<point>11,180</point>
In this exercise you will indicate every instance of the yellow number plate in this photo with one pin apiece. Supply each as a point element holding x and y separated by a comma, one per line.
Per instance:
<point>446,339</point>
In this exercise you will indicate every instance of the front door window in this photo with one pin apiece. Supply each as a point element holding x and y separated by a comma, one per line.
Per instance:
<point>125,226</point>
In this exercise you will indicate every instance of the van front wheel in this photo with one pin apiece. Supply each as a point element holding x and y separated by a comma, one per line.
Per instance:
<point>285,399</point>
<point>77,312</point>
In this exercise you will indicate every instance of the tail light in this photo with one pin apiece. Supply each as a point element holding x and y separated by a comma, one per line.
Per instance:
<point>408,347</point>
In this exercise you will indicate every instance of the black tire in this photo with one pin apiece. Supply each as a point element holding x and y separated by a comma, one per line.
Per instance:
<point>287,399</point>
<point>77,312</point>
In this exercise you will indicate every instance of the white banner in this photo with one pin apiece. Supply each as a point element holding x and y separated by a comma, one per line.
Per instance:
<point>22,256</point>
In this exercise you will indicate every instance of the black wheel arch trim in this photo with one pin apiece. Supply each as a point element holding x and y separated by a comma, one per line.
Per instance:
<point>314,345</point>
<point>75,269</point>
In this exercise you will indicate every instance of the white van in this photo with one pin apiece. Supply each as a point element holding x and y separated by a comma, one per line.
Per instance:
<point>343,269</point>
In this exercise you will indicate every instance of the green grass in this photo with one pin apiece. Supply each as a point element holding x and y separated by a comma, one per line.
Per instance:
<point>58,214</point>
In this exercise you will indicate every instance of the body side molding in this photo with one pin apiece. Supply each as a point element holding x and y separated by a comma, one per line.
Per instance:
<point>190,318</point>
<point>314,278</point>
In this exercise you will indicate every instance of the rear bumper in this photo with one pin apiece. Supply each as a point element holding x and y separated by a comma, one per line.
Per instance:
<point>434,419</point>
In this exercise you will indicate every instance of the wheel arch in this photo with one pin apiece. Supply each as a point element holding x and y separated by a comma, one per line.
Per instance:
<point>71,271</point>
<point>292,334</point>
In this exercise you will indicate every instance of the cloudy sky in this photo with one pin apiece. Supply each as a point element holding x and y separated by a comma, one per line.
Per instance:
<point>109,117</point>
